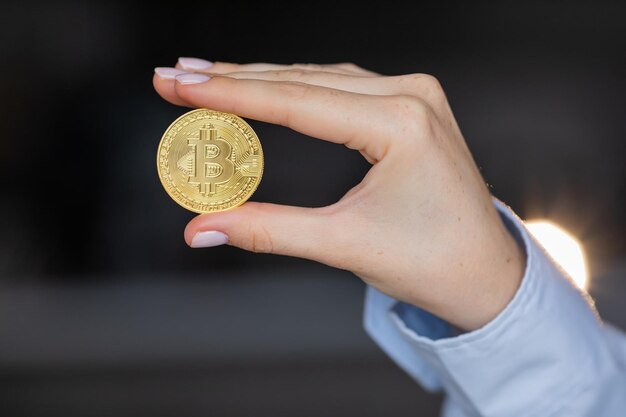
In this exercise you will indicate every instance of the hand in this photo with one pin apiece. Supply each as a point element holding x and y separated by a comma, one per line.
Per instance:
<point>421,226</point>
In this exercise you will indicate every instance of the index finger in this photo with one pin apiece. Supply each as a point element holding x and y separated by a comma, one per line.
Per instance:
<point>360,121</point>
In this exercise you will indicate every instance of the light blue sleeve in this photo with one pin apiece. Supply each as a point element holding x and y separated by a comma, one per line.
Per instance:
<point>546,354</point>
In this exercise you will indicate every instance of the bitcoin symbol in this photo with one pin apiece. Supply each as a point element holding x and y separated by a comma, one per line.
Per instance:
<point>209,161</point>
<point>212,164</point>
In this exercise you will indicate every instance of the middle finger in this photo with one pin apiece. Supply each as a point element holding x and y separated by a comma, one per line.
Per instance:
<point>411,84</point>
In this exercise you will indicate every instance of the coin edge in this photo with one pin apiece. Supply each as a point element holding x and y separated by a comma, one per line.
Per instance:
<point>160,174</point>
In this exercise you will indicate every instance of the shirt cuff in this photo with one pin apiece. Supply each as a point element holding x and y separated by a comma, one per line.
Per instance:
<point>533,358</point>
<point>385,332</point>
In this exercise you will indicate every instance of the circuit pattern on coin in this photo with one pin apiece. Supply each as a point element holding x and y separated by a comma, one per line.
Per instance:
<point>209,161</point>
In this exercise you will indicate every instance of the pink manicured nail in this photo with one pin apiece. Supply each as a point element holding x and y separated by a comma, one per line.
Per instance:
<point>208,239</point>
<point>168,73</point>
<point>191,78</point>
<point>194,64</point>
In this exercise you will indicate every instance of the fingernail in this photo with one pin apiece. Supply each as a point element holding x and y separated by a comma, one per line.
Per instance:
<point>189,78</point>
<point>168,73</point>
<point>194,64</point>
<point>208,239</point>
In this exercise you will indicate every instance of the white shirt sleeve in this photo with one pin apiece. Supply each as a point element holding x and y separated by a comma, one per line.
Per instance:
<point>546,354</point>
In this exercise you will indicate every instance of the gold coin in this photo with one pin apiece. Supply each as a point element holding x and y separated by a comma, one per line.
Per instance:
<point>209,161</point>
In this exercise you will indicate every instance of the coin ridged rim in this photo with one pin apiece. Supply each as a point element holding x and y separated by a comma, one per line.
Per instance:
<point>185,202</point>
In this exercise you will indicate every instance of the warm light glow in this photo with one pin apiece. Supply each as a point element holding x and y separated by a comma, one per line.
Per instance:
<point>565,249</point>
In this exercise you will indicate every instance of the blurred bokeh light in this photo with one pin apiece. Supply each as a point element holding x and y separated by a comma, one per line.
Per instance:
<point>564,248</point>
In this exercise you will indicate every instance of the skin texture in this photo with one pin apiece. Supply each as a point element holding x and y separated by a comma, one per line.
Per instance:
<point>421,226</point>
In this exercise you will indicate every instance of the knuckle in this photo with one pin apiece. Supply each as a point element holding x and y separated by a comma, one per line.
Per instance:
<point>411,114</point>
<point>357,69</point>
<point>350,66</point>
<point>260,239</point>
<point>295,89</point>
<point>276,74</point>
<point>424,85</point>
<point>414,124</point>
<point>297,74</point>
<point>430,81</point>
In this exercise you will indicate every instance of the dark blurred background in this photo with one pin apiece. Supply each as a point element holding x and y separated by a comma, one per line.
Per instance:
<point>104,311</point>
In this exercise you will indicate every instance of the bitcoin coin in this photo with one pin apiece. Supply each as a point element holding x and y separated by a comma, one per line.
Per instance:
<point>209,161</point>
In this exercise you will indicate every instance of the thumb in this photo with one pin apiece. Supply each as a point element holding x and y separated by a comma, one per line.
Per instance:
<point>265,228</point>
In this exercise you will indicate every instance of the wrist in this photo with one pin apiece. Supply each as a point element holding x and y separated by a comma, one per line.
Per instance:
<point>484,278</point>
<point>502,278</point>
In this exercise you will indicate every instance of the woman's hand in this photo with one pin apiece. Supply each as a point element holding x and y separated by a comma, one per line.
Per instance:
<point>421,226</point>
